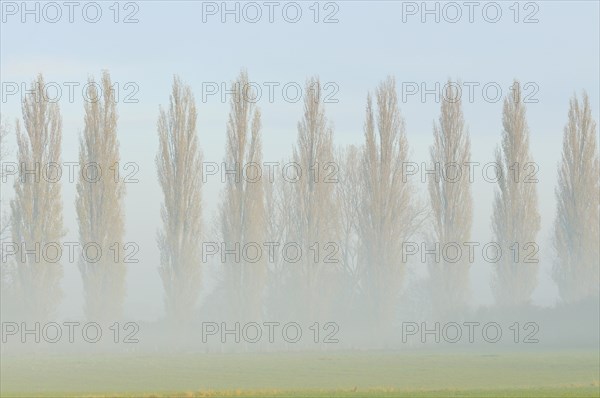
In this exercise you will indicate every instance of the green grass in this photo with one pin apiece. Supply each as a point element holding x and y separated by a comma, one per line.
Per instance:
<point>320,374</point>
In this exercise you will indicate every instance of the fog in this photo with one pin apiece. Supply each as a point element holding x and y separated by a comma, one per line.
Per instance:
<point>371,178</point>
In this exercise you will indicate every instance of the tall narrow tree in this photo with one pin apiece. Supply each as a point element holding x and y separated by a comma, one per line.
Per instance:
<point>4,222</point>
<point>99,205</point>
<point>388,214</point>
<point>280,281</point>
<point>178,162</point>
<point>451,204</point>
<point>313,208</point>
<point>243,210</point>
<point>576,234</point>
<point>348,194</point>
<point>515,219</point>
<point>7,267</point>
<point>36,210</point>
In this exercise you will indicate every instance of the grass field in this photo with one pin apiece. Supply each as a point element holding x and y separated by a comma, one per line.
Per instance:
<point>316,374</point>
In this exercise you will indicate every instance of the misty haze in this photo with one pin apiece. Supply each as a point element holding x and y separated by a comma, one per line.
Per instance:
<point>349,199</point>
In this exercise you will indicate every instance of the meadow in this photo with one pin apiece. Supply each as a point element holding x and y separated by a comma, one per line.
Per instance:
<point>559,373</point>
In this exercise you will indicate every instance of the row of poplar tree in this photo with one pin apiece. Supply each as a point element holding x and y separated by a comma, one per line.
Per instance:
<point>369,213</point>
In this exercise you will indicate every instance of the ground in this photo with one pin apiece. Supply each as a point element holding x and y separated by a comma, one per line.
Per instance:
<point>316,374</point>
